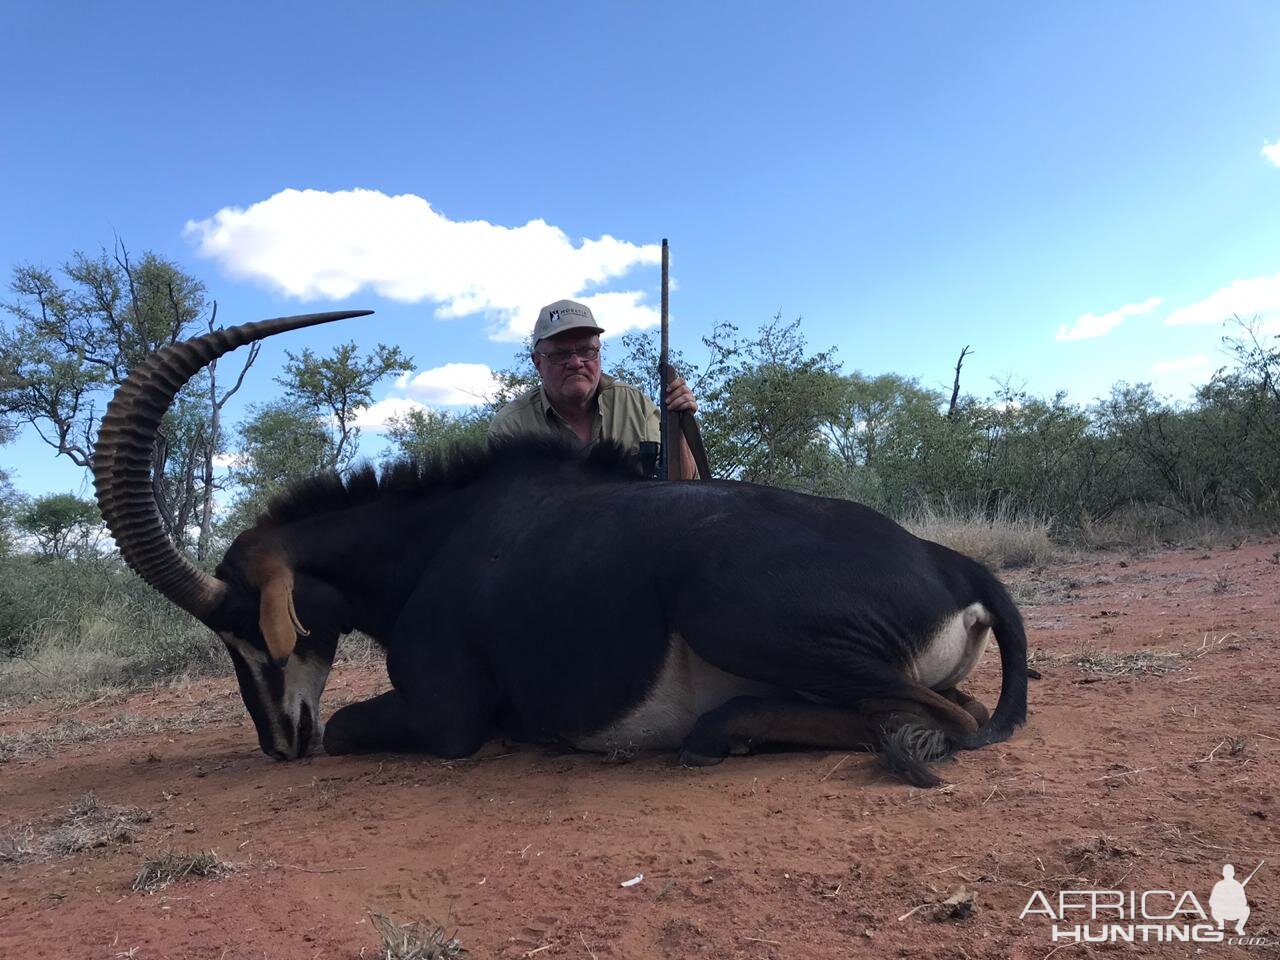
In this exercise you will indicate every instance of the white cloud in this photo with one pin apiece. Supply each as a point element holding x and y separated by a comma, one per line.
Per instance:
<point>1258,296</point>
<point>317,245</point>
<point>1096,325</point>
<point>454,384</point>
<point>1179,377</point>
<point>1199,363</point>
<point>1272,152</point>
<point>376,416</point>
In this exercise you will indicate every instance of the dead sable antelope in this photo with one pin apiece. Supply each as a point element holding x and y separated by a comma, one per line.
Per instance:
<point>546,593</point>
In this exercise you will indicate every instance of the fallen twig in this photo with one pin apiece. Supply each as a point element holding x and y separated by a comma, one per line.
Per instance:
<point>290,866</point>
<point>1059,947</point>
<point>839,764</point>
<point>1209,757</point>
<point>1125,773</point>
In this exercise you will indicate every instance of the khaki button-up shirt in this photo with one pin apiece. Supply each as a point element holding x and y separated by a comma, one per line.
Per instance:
<point>624,415</point>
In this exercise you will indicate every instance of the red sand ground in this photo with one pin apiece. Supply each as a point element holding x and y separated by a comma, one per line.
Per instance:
<point>523,850</point>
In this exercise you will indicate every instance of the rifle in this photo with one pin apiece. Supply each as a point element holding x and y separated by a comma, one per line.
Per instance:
<point>664,377</point>
<point>670,459</point>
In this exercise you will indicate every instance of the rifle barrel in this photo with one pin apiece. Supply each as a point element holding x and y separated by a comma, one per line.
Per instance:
<point>664,375</point>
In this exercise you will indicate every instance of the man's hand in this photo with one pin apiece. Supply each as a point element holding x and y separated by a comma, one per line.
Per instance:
<point>680,398</point>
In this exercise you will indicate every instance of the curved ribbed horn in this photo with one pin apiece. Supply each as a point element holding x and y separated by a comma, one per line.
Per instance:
<point>122,458</point>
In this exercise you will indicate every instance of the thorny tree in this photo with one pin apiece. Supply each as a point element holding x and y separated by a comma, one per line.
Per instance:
<point>76,336</point>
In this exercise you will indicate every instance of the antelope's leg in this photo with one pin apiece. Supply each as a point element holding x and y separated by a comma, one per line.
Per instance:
<point>377,725</point>
<point>947,714</point>
<point>837,673</point>
<point>906,734</point>
<point>973,706</point>
<point>745,724</point>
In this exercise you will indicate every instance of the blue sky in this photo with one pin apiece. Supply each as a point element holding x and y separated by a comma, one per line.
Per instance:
<point>1051,184</point>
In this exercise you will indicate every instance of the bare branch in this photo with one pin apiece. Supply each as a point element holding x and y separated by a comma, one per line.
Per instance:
<point>253,355</point>
<point>955,387</point>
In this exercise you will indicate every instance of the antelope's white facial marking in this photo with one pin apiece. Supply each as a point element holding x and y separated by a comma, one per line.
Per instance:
<point>304,680</point>
<point>288,700</point>
<point>954,650</point>
<point>256,662</point>
<point>685,689</point>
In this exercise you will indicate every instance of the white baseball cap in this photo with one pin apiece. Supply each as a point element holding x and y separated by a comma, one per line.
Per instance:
<point>556,318</point>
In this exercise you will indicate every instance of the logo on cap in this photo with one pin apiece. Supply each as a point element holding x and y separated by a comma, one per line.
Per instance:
<point>553,318</point>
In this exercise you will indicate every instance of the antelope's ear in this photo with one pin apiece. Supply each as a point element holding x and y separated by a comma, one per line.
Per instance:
<point>277,617</point>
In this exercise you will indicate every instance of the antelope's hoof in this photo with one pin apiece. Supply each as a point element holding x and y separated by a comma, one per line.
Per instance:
<point>689,758</point>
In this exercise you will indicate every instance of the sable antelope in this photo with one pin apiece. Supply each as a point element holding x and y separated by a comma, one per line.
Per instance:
<point>548,593</point>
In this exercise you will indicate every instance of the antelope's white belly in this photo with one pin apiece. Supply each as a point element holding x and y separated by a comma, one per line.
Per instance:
<point>686,688</point>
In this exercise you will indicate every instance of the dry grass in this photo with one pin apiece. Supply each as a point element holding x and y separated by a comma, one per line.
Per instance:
<point>360,650</point>
<point>44,742</point>
<point>622,754</point>
<point>75,628</point>
<point>160,871</point>
<point>1042,589</point>
<point>1137,663</point>
<point>958,906</point>
<point>422,940</point>
<point>87,825</point>
<point>1085,857</point>
<point>1108,664</point>
<point>1001,542</point>
<point>84,660</point>
<point>73,662</point>
<point>1145,529</point>
<point>56,671</point>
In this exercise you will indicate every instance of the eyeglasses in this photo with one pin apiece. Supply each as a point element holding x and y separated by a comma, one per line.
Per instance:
<point>563,356</point>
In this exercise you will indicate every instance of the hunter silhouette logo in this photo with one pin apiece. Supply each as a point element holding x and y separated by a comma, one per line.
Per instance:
<point>1228,902</point>
<point>1149,916</point>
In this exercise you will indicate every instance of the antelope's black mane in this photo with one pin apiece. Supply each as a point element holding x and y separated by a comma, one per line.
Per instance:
<point>450,467</point>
